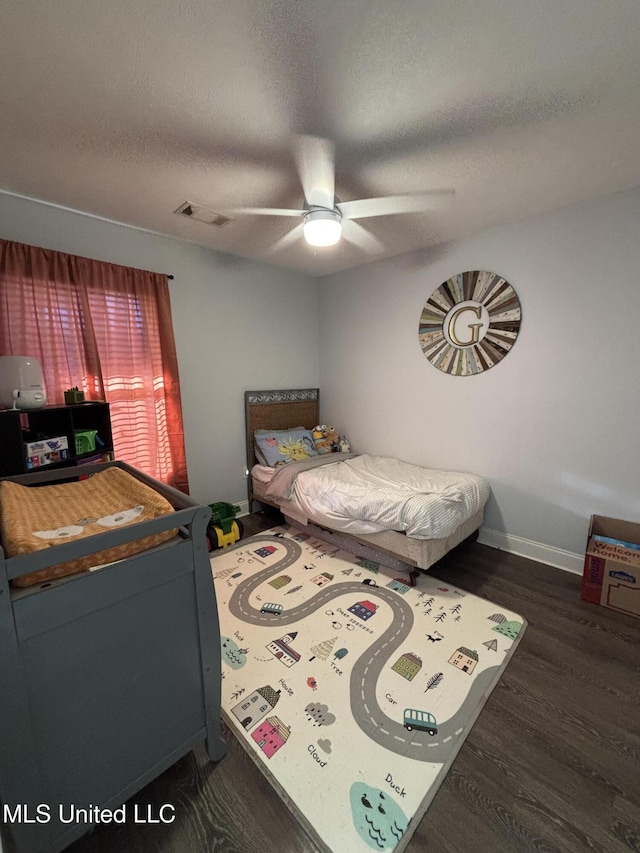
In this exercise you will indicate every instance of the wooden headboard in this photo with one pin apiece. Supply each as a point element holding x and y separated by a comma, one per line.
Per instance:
<point>278,410</point>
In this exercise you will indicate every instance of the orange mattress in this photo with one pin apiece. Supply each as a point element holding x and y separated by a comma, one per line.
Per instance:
<point>36,518</point>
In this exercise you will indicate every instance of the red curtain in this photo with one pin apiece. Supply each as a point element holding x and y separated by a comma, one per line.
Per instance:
<point>106,329</point>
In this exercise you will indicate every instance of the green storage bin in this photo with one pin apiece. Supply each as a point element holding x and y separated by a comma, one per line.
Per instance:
<point>85,440</point>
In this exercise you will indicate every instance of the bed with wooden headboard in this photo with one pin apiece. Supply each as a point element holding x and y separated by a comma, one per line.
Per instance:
<point>300,407</point>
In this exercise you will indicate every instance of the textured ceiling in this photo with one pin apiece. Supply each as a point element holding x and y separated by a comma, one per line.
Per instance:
<point>127,108</point>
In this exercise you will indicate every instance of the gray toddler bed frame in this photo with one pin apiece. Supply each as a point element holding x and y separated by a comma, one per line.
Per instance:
<point>107,677</point>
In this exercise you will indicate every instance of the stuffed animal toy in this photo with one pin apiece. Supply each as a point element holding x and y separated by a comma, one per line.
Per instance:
<point>345,447</point>
<point>320,439</point>
<point>333,438</point>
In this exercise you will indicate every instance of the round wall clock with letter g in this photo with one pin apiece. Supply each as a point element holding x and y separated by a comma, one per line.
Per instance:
<point>469,323</point>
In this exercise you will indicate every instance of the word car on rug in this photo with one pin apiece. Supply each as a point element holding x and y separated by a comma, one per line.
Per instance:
<point>352,690</point>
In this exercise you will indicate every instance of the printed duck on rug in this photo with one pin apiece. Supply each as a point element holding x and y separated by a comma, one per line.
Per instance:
<point>351,690</point>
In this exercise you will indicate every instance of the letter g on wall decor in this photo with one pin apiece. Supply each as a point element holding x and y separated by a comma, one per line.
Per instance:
<point>469,323</point>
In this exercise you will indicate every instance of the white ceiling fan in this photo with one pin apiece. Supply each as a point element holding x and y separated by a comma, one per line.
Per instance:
<point>325,219</point>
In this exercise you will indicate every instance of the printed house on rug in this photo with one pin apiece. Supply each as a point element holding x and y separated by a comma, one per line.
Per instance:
<point>252,709</point>
<point>363,609</point>
<point>282,650</point>
<point>464,659</point>
<point>408,666</point>
<point>271,735</point>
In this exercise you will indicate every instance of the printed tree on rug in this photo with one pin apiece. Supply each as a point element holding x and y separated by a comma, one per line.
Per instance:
<point>323,649</point>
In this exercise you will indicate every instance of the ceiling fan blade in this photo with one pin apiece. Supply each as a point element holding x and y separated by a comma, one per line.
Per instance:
<point>264,211</point>
<point>389,205</point>
<point>315,160</point>
<point>289,238</point>
<point>359,236</point>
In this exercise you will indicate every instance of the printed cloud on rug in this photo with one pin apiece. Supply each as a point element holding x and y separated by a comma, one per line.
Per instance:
<point>352,690</point>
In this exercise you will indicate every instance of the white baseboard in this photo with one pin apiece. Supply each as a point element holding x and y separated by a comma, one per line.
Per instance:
<point>566,560</point>
<point>244,507</point>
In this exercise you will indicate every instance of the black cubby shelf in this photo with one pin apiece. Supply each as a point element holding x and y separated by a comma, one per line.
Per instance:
<point>17,427</point>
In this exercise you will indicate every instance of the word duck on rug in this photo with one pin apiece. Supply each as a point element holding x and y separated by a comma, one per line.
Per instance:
<point>397,681</point>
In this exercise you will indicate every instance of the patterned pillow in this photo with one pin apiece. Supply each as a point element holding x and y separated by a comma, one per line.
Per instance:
<point>281,446</point>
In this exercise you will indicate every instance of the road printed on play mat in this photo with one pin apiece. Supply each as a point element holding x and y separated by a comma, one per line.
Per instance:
<point>364,705</point>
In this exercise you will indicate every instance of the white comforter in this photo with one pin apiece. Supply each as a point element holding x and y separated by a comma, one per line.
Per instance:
<point>368,494</point>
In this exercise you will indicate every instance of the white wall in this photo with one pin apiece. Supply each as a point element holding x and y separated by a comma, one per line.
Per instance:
<point>555,426</point>
<point>238,325</point>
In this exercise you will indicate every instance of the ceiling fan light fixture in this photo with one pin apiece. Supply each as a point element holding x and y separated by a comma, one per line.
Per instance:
<point>322,227</point>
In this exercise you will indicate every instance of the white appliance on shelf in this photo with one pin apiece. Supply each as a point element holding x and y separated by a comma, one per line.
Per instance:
<point>21,382</point>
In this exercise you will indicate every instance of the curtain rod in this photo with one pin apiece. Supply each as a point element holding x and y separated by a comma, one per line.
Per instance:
<point>170,277</point>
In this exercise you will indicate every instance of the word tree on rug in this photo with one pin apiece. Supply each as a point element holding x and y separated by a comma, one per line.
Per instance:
<point>352,690</point>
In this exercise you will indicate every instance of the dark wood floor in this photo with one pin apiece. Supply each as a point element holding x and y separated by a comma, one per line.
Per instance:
<point>552,765</point>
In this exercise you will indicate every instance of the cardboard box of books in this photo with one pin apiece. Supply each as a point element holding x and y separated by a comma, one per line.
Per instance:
<point>611,574</point>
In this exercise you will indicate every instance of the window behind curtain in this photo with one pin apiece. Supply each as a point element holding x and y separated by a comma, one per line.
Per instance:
<point>107,329</point>
<point>131,362</point>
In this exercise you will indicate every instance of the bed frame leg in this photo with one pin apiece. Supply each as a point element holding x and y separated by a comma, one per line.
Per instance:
<point>413,576</point>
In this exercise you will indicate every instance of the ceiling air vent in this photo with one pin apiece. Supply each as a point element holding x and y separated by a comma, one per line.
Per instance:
<point>202,214</point>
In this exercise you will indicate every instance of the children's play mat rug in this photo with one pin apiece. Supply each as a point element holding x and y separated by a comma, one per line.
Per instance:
<point>351,690</point>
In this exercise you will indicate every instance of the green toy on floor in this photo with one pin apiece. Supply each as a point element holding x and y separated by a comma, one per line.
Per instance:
<point>224,529</point>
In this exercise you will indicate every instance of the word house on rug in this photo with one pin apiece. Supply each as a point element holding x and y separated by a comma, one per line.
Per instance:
<point>351,690</point>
